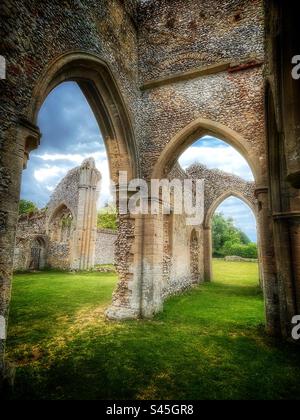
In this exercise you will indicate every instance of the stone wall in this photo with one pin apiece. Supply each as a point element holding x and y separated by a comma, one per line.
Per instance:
<point>30,228</point>
<point>200,67</point>
<point>105,246</point>
<point>64,226</point>
<point>181,35</point>
<point>220,185</point>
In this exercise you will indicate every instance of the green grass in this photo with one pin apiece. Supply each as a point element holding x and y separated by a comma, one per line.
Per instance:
<point>207,344</point>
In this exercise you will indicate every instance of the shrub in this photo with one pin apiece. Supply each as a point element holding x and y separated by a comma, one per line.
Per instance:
<point>240,250</point>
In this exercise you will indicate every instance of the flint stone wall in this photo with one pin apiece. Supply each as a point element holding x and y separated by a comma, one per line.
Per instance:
<point>105,246</point>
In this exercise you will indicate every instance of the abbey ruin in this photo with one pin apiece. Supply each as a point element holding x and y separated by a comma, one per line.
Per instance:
<point>64,235</point>
<point>159,75</point>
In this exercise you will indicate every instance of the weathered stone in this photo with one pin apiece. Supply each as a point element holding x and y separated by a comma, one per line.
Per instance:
<point>112,48</point>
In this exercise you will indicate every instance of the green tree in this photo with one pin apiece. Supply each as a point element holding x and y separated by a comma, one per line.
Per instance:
<point>229,240</point>
<point>107,218</point>
<point>27,207</point>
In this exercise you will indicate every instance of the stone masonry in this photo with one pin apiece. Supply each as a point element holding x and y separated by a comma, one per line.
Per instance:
<point>160,75</point>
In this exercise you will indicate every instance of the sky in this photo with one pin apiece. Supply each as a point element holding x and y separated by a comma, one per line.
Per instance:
<point>70,134</point>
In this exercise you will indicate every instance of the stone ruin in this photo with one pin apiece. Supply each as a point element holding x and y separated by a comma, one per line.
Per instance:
<point>160,75</point>
<point>64,235</point>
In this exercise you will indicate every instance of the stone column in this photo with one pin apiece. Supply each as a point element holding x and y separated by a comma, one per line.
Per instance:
<point>285,240</point>
<point>126,302</point>
<point>83,255</point>
<point>20,140</point>
<point>152,265</point>
<point>268,262</point>
<point>295,242</point>
<point>208,253</point>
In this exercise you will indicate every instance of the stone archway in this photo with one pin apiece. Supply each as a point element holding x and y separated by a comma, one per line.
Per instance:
<point>196,130</point>
<point>103,94</point>
<point>208,245</point>
<point>167,160</point>
<point>100,88</point>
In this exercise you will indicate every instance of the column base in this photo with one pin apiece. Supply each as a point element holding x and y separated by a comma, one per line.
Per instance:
<point>118,313</point>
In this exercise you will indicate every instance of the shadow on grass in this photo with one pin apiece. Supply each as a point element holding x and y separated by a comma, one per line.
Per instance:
<point>207,344</point>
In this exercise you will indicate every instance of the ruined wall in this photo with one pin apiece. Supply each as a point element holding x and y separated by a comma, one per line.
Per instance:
<point>64,223</point>
<point>105,246</point>
<point>30,227</point>
<point>220,184</point>
<point>34,34</point>
<point>66,193</point>
<point>180,35</point>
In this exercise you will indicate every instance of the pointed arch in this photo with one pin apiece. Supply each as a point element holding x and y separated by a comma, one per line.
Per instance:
<point>221,199</point>
<point>196,130</point>
<point>102,92</point>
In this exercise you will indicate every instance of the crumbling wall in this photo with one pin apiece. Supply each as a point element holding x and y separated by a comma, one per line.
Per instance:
<point>105,246</point>
<point>29,228</point>
<point>218,184</point>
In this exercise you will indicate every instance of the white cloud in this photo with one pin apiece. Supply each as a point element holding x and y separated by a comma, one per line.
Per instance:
<point>77,159</point>
<point>48,172</point>
<point>223,157</point>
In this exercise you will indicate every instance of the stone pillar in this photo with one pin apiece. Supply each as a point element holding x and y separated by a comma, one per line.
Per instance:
<point>259,251</point>
<point>14,154</point>
<point>268,262</point>
<point>83,255</point>
<point>152,265</point>
<point>285,240</point>
<point>208,253</point>
<point>295,242</point>
<point>126,302</point>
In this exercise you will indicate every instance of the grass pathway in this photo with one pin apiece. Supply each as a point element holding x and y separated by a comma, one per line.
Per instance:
<point>207,344</point>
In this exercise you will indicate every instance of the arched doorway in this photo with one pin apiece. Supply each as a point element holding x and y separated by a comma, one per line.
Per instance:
<point>37,254</point>
<point>98,84</point>
<point>198,129</point>
<point>248,249</point>
<point>208,250</point>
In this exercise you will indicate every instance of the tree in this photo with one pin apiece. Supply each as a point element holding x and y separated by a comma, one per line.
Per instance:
<point>107,218</point>
<point>229,240</point>
<point>27,207</point>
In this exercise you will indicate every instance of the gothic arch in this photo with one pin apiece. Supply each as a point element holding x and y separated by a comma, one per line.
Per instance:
<point>208,246</point>
<point>98,84</point>
<point>54,222</point>
<point>195,131</point>
<point>221,199</point>
<point>101,90</point>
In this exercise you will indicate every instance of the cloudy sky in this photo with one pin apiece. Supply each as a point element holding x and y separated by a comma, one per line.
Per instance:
<point>71,134</point>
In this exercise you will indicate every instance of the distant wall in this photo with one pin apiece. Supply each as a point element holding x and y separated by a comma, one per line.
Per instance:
<point>105,246</point>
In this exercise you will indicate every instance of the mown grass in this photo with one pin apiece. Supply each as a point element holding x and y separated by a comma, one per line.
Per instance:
<point>207,344</point>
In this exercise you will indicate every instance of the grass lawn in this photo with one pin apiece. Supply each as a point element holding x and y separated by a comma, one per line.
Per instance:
<point>207,344</point>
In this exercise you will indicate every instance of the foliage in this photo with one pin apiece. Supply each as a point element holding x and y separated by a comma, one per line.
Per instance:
<point>107,218</point>
<point>239,250</point>
<point>27,207</point>
<point>207,344</point>
<point>228,240</point>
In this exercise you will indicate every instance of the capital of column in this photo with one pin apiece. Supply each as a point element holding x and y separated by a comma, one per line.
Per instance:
<point>30,137</point>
